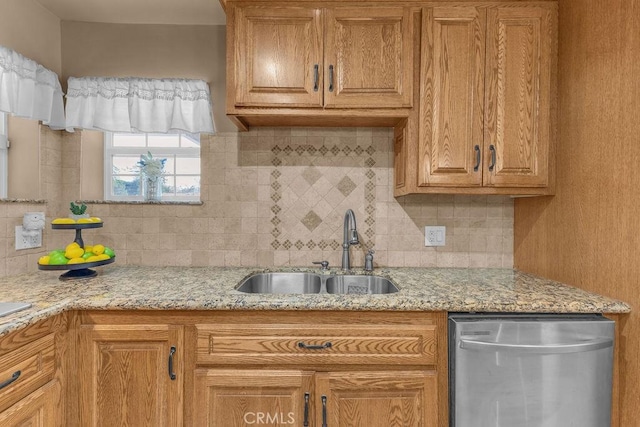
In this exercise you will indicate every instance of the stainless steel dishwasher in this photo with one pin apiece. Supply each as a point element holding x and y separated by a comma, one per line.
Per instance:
<point>530,370</point>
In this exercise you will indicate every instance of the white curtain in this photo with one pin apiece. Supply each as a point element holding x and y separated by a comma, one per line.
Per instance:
<point>139,105</point>
<point>27,89</point>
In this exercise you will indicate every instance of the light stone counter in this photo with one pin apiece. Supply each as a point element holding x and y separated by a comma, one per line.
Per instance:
<point>208,288</point>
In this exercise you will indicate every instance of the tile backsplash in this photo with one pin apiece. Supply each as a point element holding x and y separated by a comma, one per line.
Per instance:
<point>277,197</point>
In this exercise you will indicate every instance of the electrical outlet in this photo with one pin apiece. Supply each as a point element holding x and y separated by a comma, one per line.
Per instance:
<point>29,241</point>
<point>435,235</point>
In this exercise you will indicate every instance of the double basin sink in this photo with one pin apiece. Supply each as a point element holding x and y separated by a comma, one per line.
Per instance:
<point>310,283</point>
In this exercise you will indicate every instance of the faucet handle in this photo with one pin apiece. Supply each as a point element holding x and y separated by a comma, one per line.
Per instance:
<point>368,260</point>
<point>324,265</point>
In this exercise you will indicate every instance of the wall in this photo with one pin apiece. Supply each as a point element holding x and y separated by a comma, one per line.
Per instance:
<point>277,196</point>
<point>153,51</point>
<point>11,212</point>
<point>33,31</point>
<point>588,235</point>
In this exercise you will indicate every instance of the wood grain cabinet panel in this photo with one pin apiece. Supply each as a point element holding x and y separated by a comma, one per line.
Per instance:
<point>517,125</point>
<point>38,409</point>
<point>377,399</point>
<point>278,57</point>
<point>31,365</point>
<point>125,378</point>
<point>452,101</point>
<point>334,344</point>
<point>237,398</point>
<point>368,57</point>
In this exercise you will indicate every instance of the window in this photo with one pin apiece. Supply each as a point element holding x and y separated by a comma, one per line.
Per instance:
<point>4,155</point>
<point>181,170</point>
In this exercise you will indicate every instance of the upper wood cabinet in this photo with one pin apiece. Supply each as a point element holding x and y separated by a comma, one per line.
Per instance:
<point>285,59</point>
<point>487,86</point>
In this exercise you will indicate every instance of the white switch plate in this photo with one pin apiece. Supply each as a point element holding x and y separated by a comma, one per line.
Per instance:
<point>27,242</point>
<point>435,235</point>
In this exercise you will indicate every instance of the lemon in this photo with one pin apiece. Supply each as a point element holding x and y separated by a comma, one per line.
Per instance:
<point>98,249</point>
<point>44,260</point>
<point>74,253</point>
<point>85,221</point>
<point>71,246</point>
<point>76,261</point>
<point>103,257</point>
<point>95,219</point>
<point>88,248</point>
<point>63,221</point>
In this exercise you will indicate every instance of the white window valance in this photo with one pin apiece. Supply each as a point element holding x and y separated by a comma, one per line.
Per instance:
<point>27,89</point>
<point>139,105</point>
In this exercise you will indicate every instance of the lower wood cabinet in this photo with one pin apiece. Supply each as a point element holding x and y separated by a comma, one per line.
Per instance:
<point>243,368</point>
<point>38,409</point>
<point>131,375</point>
<point>237,398</point>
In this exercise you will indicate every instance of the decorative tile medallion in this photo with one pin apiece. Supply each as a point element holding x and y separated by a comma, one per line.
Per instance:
<point>311,188</point>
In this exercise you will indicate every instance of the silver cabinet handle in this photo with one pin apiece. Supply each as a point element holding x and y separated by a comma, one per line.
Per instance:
<point>492,165</point>
<point>579,347</point>
<point>172,374</point>
<point>315,78</point>
<point>330,78</point>
<point>477,150</point>
<point>315,347</point>
<point>324,411</point>
<point>305,423</point>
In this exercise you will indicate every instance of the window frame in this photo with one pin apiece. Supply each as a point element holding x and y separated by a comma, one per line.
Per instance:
<point>4,155</point>
<point>110,150</point>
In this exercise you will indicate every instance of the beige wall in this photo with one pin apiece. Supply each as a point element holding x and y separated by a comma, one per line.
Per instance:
<point>153,51</point>
<point>24,159</point>
<point>33,31</point>
<point>588,235</point>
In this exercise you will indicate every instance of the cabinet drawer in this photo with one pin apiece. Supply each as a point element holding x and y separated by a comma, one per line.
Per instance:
<point>326,344</point>
<point>25,369</point>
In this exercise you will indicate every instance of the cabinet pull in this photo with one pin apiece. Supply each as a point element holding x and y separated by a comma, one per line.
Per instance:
<point>324,410</point>
<point>477,150</point>
<point>172,374</point>
<point>315,347</point>
<point>306,410</point>
<point>315,78</point>
<point>14,377</point>
<point>330,78</point>
<point>492,165</point>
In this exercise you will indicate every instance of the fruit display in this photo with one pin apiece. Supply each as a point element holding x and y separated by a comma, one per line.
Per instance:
<point>77,257</point>
<point>74,254</point>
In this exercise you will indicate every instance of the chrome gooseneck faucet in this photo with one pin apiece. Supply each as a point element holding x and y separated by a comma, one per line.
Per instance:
<point>350,238</point>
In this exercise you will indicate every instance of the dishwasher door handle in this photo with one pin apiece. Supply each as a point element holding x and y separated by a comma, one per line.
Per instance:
<point>580,347</point>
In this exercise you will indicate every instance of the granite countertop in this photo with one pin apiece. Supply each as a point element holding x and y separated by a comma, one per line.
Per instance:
<point>210,288</point>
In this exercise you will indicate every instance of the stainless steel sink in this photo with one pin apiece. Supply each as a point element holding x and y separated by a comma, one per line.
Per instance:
<point>361,285</point>
<point>282,283</point>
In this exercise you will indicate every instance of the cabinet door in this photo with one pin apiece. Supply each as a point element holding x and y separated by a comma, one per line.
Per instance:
<point>38,409</point>
<point>368,57</point>
<point>452,96</point>
<point>377,399</point>
<point>125,375</point>
<point>521,42</point>
<point>237,398</point>
<point>278,56</point>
